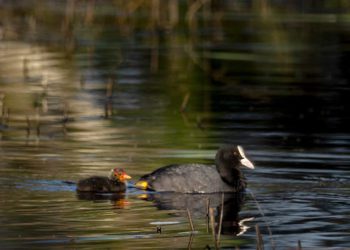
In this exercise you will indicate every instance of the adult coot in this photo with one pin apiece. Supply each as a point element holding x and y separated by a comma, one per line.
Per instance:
<point>116,182</point>
<point>225,176</point>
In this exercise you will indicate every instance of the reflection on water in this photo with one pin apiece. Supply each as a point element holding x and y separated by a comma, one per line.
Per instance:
<point>86,87</point>
<point>199,205</point>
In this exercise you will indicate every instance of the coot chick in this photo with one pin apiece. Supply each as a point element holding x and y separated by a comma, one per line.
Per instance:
<point>116,182</point>
<point>224,176</point>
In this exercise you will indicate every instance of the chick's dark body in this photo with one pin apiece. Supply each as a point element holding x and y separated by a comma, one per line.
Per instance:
<point>100,184</point>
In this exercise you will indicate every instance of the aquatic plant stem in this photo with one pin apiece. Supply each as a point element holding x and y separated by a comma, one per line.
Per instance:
<point>190,219</point>
<point>264,218</point>
<point>212,222</point>
<point>208,217</point>
<point>259,239</point>
<point>221,217</point>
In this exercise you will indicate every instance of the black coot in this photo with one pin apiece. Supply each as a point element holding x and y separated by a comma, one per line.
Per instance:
<point>224,176</point>
<point>116,182</point>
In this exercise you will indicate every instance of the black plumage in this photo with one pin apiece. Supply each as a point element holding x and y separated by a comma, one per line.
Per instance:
<point>116,182</point>
<point>224,176</point>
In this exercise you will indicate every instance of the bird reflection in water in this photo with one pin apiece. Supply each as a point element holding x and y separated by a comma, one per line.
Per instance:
<point>118,200</point>
<point>199,204</point>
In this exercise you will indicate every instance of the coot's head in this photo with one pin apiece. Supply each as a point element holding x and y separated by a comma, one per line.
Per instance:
<point>228,161</point>
<point>119,174</point>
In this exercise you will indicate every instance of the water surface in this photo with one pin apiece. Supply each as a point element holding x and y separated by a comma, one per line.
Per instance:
<point>86,87</point>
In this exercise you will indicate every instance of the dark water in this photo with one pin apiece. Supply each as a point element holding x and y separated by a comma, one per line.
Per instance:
<point>88,86</point>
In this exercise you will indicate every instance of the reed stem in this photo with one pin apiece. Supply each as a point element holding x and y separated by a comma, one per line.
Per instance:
<point>190,219</point>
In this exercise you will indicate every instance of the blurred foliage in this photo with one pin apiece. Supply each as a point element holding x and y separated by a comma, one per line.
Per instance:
<point>258,50</point>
